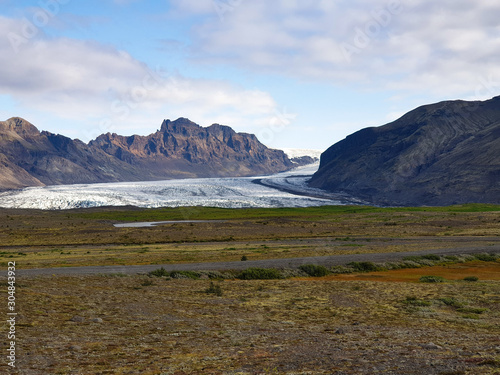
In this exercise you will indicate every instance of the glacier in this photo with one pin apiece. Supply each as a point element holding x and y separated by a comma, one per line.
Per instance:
<point>240,192</point>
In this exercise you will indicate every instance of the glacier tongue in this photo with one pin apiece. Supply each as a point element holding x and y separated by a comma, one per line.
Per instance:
<point>214,192</point>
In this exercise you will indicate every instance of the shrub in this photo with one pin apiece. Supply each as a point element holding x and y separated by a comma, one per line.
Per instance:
<point>244,258</point>
<point>412,258</point>
<point>450,301</point>
<point>290,272</point>
<point>364,266</point>
<point>147,282</point>
<point>471,278</point>
<point>259,274</point>
<point>214,289</point>
<point>409,264</point>
<point>427,262</point>
<point>472,310</point>
<point>340,269</point>
<point>470,316</point>
<point>414,301</point>
<point>392,266</point>
<point>468,257</point>
<point>431,257</point>
<point>159,272</point>
<point>314,270</point>
<point>486,257</point>
<point>215,275</point>
<point>431,279</point>
<point>184,274</point>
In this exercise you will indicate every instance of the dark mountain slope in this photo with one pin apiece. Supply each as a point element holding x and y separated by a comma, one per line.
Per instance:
<point>44,158</point>
<point>437,154</point>
<point>179,149</point>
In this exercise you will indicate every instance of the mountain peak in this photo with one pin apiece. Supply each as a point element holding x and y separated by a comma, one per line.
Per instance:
<point>19,126</point>
<point>168,125</point>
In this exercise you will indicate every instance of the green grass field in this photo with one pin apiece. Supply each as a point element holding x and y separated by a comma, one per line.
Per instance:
<point>88,237</point>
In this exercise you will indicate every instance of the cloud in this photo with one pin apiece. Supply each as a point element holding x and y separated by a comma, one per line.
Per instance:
<point>109,90</point>
<point>444,47</point>
<point>189,7</point>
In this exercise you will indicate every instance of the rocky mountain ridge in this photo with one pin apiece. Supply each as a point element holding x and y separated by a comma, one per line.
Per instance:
<point>179,149</point>
<point>438,154</point>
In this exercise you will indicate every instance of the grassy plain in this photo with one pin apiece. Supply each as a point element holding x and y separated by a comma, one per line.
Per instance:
<point>88,237</point>
<point>360,323</point>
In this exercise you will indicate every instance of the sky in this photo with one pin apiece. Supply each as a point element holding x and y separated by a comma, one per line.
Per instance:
<point>297,73</point>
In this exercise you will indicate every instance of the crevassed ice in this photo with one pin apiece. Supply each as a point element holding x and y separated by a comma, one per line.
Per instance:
<point>214,192</point>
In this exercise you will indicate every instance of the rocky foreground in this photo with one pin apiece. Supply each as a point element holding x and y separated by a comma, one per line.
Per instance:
<point>142,325</point>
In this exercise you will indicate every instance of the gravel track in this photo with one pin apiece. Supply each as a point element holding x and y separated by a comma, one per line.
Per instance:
<point>330,260</point>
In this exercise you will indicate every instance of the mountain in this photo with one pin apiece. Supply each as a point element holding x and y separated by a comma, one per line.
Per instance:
<point>439,154</point>
<point>179,149</point>
<point>302,156</point>
<point>182,148</point>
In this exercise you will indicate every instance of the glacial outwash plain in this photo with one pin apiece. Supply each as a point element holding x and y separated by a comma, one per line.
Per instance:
<point>319,290</point>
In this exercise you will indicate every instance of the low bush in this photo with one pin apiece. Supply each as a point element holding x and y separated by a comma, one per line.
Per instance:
<point>431,279</point>
<point>260,274</point>
<point>451,301</point>
<point>184,275</point>
<point>471,278</point>
<point>340,269</point>
<point>244,258</point>
<point>470,316</point>
<point>472,310</point>
<point>314,270</point>
<point>431,257</point>
<point>214,275</point>
<point>412,258</point>
<point>468,257</point>
<point>486,257</point>
<point>291,272</point>
<point>160,272</point>
<point>214,289</point>
<point>364,266</point>
<point>409,264</point>
<point>414,301</point>
<point>147,283</point>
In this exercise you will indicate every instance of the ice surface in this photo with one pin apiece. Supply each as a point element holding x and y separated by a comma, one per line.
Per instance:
<point>298,152</point>
<point>213,192</point>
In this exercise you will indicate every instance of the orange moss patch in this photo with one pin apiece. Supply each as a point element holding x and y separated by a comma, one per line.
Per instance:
<point>483,270</point>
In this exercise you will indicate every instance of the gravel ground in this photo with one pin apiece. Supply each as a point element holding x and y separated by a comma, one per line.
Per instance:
<point>269,263</point>
<point>110,324</point>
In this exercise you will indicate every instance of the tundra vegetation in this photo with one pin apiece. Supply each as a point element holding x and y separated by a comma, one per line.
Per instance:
<point>357,318</point>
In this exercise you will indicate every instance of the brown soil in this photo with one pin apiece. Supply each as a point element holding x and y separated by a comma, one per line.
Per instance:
<point>119,324</point>
<point>482,270</point>
<point>256,327</point>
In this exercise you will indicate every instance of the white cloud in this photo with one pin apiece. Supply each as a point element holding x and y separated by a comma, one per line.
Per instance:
<point>188,7</point>
<point>90,83</point>
<point>441,47</point>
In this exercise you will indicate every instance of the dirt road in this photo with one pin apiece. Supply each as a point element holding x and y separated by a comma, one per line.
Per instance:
<point>267,263</point>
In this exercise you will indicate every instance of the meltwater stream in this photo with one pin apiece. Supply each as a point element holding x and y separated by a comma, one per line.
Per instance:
<point>240,192</point>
